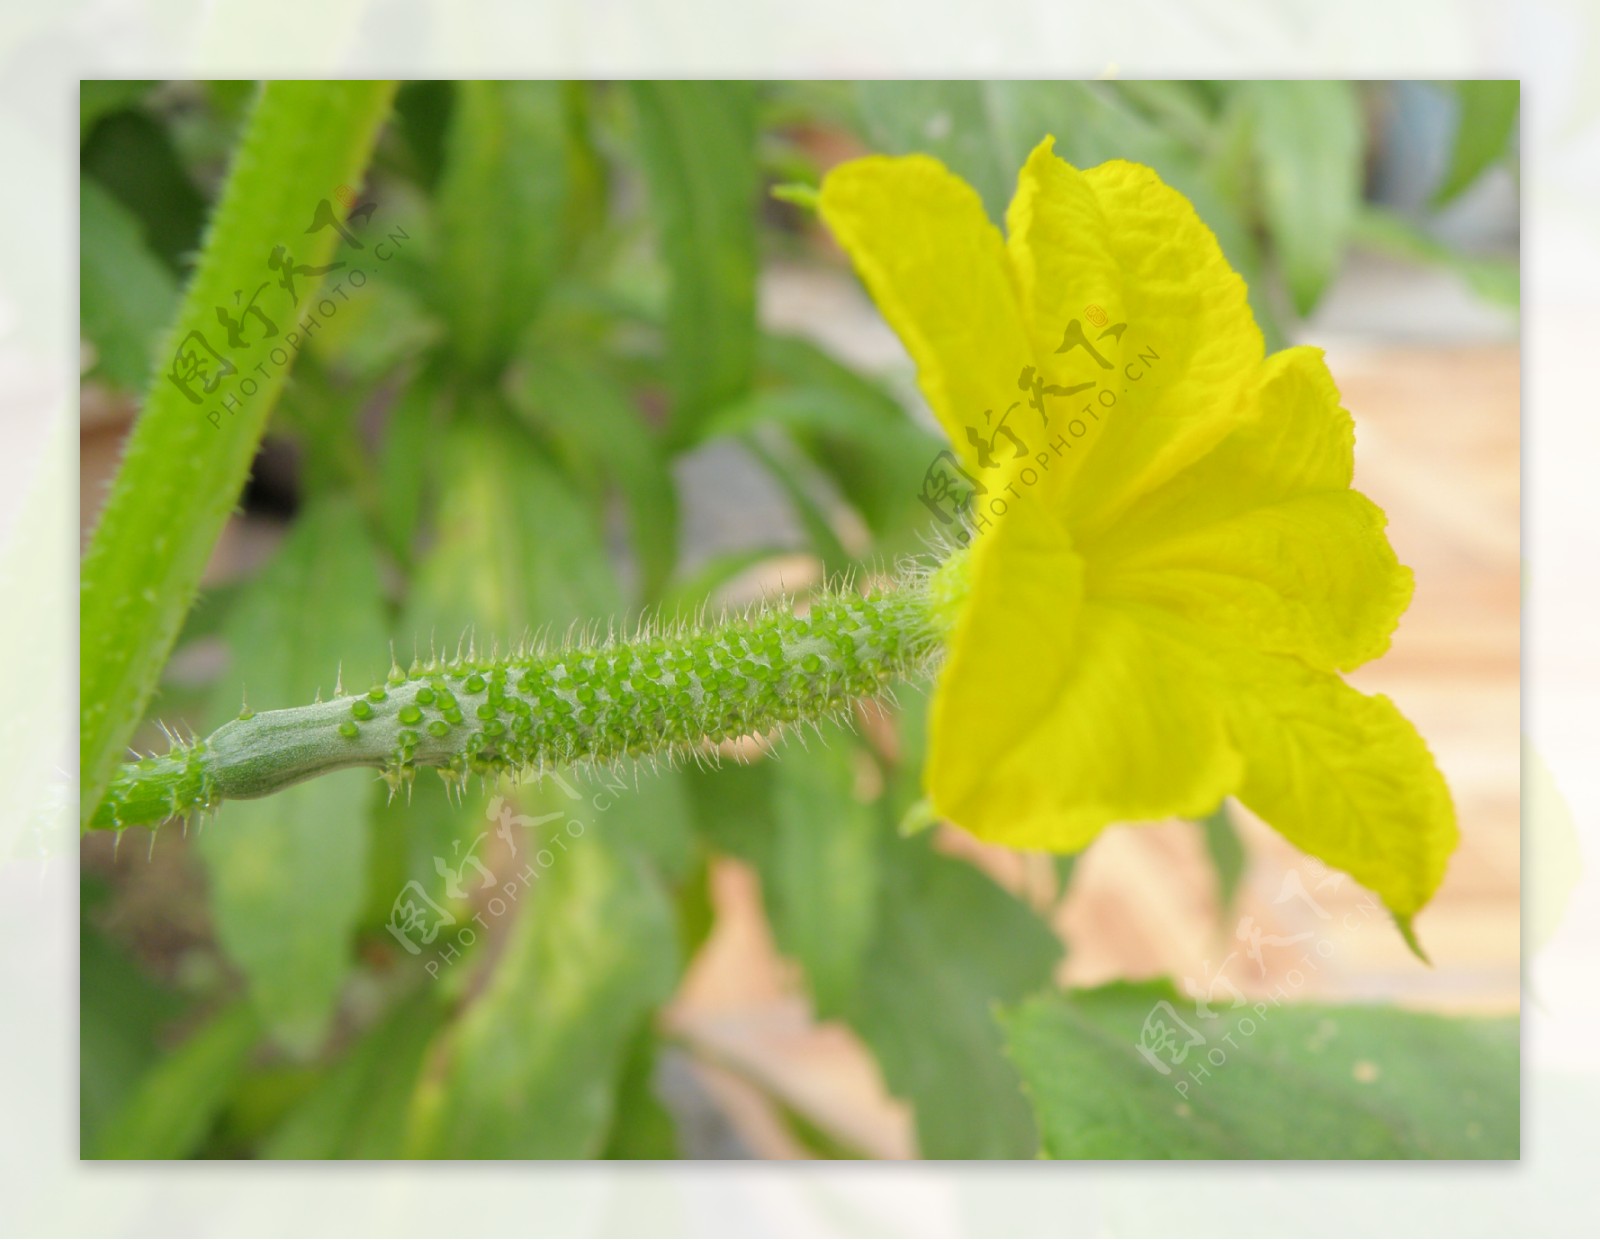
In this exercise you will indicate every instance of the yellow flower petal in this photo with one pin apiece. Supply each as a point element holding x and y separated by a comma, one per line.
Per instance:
<point>937,269</point>
<point>1056,715</point>
<point>1115,246</point>
<point>1344,776</point>
<point>1263,539</point>
<point>1154,622</point>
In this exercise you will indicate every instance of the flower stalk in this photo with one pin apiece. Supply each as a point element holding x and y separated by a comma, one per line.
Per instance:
<point>662,695</point>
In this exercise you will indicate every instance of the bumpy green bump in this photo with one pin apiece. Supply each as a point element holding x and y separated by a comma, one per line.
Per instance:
<point>348,730</point>
<point>361,709</point>
<point>410,714</point>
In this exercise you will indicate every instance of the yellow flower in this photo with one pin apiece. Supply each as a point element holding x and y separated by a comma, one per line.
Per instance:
<point>1170,567</point>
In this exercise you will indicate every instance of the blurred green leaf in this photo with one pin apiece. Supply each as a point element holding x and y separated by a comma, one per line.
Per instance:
<point>647,812</point>
<point>853,429</point>
<point>132,157</point>
<point>945,942</point>
<point>594,418</point>
<point>949,946</point>
<point>1064,865</point>
<point>1226,852</point>
<point>408,460</point>
<point>516,551</point>
<point>954,121</point>
<point>689,595</point>
<point>1497,280</point>
<point>1300,1081</point>
<point>501,204</point>
<point>806,486</point>
<point>532,1069</point>
<point>359,1109</point>
<point>287,872</point>
<point>177,1102</point>
<point>697,142</point>
<point>126,295</point>
<point>643,1128</point>
<point>1182,109</point>
<point>422,120</point>
<point>99,97</point>
<point>1227,199</point>
<point>733,808</point>
<point>1486,122</point>
<point>121,1012</point>
<point>821,884</point>
<point>1308,141</point>
<point>381,329</point>
<point>812,1136</point>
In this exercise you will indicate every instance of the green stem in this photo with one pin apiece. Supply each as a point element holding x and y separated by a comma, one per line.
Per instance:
<point>661,695</point>
<point>191,448</point>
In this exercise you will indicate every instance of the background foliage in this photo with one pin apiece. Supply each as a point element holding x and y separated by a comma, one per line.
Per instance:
<point>496,434</point>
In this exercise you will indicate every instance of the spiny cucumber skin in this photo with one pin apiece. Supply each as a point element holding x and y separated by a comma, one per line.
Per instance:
<point>660,696</point>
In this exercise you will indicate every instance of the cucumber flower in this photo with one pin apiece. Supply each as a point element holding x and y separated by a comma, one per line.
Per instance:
<point>1168,568</point>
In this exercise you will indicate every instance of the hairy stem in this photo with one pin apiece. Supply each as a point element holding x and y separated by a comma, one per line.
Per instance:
<point>660,695</point>
<point>190,450</point>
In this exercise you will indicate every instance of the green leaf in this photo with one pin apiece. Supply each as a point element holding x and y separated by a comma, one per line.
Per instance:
<point>648,813</point>
<point>287,872</point>
<point>177,1102</point>
<point>952,121</point>
<point>821,884</point>
<point>1064,866</point>
<point>687,596</point>
<point>595,418</point>
<point>1486,123</point>
<point>358,1109</point>
<point>949,946</point>
<point>733,809</point>
<point>132,156</point>
<point>181,473</point>
<point>851,428</point>
<point>121,1013</point>
<point>802,483</point>
<point>1227,198</point>
<point>797,819</point>
<point>501,203</point>
<point>126,294</point>
<point>985,130</point>
<point>697,141</point>
<point>516,551</point>
<point>408,463</point>
<point>1226,852</point>
<point>532,1068</point>
<point>643,1127</point>
<point>1496,280</point>
<point>102,96</point>
<point>1308,140</point>
<point>1262,1080</point>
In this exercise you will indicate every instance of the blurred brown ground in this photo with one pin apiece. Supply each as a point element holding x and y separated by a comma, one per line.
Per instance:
<point>1438,448</point>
